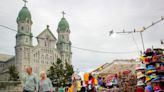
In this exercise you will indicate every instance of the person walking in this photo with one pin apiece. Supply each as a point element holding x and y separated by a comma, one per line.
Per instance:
<point>61,89</point>
<point>45,84</point>
<point>70,89</point>
<point>79,86</point>
<point>115,89</point>
<point>30,81</point>
<point>90,87</point>
<point>83,88</point>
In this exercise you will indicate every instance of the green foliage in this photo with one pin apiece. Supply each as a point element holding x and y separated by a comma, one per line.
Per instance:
<point>14,74</point>
<point>60,73</point>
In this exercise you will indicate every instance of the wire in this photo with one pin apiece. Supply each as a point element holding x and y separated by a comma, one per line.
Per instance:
<point>153,23</point>
<point>135,42</point>
<point>139,31</point>
<point>144,28</point>
<point>84,49</point>
<point>97,51</point>
<point>8,28</point>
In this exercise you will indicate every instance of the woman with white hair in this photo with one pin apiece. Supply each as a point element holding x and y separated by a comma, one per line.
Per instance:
<point>45,84</point>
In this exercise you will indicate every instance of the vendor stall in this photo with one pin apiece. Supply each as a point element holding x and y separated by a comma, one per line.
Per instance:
<point>154,73</point>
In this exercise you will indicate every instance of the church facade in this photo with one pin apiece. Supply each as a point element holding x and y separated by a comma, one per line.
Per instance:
<point>48,49</point>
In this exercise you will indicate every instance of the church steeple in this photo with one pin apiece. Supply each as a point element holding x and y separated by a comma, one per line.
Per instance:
<point>25,1</point>
<point>23,46</point>
<point>24,22</point>
<point>63,24</point>
<point>63,13</point>
<point>64,43</point>
<point>24,14</point>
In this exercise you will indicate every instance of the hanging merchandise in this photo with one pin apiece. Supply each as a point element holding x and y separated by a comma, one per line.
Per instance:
<point>140,83</point>
<point>140,72</point>
<point>154,61</point>
<point>149,87</point>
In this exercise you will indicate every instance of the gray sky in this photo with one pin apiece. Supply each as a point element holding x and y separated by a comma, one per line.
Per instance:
<point>90,21</point>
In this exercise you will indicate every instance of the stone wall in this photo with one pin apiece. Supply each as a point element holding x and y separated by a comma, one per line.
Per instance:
<point>10,86</point>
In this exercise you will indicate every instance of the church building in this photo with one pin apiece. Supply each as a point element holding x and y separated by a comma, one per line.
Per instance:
<point>48,49</point>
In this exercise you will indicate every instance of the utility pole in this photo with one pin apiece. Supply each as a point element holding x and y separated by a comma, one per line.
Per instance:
<point>130,32</point>
<point>139,31</point>
<point>162,42</point>
<point>143,46</point>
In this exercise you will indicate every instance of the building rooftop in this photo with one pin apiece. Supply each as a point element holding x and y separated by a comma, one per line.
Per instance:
<point>5,57</point>
<point>116,65</point>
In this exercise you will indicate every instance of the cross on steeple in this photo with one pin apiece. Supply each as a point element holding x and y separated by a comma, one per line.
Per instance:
<point>25,1</point>
<point>48,26</point>
<point>63,13</point>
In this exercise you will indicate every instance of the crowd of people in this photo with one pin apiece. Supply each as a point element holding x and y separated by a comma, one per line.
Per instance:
<point>89,84</point>
<point>32,84</point>
<point>93,84</point>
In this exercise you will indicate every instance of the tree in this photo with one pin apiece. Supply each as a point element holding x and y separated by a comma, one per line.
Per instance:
<point>68,73</point>
<point>13,73</point>
<point>60,73</point>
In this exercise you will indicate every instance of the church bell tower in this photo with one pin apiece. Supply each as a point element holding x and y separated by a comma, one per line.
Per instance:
<point>23,39</point>
<point>64,43</point>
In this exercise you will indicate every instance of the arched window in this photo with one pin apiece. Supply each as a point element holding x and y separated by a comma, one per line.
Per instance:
<point>28,21</point>
<point>46,56</point>
<point>22,28</point>
<point>62,36</point>
<point>42,57</point>
<point>26,39</point>
<point>45,44</point>
<point>38,54</point>
<point>67,47</point>
<point>28,28</point>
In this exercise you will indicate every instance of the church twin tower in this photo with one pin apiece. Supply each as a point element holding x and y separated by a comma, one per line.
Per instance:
<point>48,49</point>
